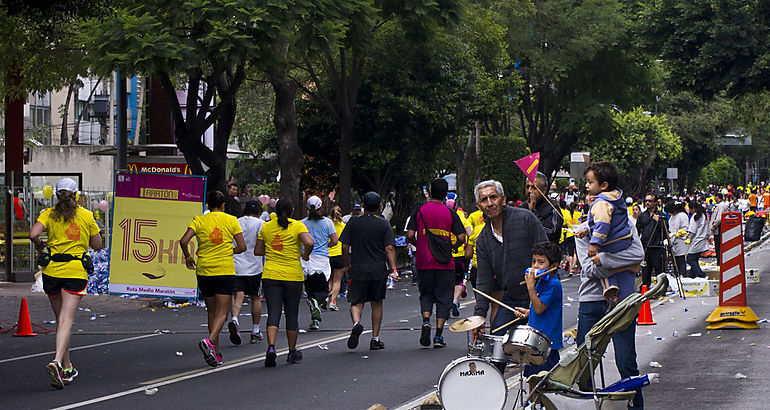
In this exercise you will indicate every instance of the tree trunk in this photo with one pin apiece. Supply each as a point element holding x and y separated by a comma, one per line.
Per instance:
<point>76,129</point>
<point>65,114</point>
<point>346,165</point>
<point>462,158</point>
<point>289,152</point>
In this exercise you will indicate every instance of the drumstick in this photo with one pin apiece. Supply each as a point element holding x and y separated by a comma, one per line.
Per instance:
<point>540,275</point>
<point>494,300</point>
<point>508,324</point>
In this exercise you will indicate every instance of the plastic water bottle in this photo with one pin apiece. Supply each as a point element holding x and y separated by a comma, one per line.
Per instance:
<point>391,282</point>
<point>675,334</point>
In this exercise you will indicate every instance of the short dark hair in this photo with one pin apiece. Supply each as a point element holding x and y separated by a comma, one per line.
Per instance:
<point>550,250</point>
<point>252,208</point>
<point>233,184</point>
<point>439,188</point>
<point>215,199</point>
<point>604,171</point>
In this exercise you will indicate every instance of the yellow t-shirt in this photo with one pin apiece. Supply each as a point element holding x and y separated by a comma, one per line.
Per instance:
<point>476,218</point>
<point>70,237</point>
<point>215,232</point>
<point>461,250</point>
<point>566,231</point>
<point>336,250</point>
<point>282,250</point>
<point>472,240</point>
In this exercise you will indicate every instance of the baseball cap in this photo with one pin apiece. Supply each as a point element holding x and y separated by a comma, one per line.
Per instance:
<point>357,207</point>
<point>314,202</point>
<point>66,184</point>
<point>371,199</point>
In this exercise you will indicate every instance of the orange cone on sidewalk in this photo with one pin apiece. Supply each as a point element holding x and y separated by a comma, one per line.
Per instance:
<point>24,325</point>
<point>645,313</point>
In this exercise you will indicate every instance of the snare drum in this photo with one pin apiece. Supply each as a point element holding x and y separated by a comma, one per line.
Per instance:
<point>489,347</point>
<point>472,383</point>
<point>528,345</point>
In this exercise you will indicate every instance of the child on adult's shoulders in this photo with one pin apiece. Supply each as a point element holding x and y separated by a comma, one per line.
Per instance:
<point>545,309</point>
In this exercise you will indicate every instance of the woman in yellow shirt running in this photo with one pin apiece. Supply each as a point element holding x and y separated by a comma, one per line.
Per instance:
<point>71,231</point>
<point>215,268</point>
<point>281,241</point>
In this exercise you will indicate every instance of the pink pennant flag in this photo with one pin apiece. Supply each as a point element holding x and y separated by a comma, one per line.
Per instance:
<point>529,164</point>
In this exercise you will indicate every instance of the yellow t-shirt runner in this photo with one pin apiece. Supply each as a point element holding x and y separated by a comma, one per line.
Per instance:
<point>461,250</point>
<point>472,240</point>
<point>215,232</point>
<point>282,250</point>
<point>336,250</point>
<point>71,237</point>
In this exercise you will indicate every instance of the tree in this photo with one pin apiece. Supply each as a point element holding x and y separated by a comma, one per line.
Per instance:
<point>577,61</point>
<point>720,172</point>
<point>203,44</point>
<point>642,143</point>
<point>334,64</point>
<point>708,46</point>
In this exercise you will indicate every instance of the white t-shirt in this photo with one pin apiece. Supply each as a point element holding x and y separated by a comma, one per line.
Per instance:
<point>246,263</point>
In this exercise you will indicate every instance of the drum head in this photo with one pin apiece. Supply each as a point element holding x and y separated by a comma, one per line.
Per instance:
<point>470,383</point>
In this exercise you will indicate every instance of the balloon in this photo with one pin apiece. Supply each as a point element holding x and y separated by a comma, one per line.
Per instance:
<point>47,192</point>
<point>273,202</point>
<point>94,204</point>
<point>104,205</point>
<point>265,199</point>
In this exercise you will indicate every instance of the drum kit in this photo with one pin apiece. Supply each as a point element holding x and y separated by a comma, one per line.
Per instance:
<point>479,371</point>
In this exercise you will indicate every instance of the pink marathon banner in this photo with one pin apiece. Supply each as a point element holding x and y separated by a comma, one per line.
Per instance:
<point>150,214</point>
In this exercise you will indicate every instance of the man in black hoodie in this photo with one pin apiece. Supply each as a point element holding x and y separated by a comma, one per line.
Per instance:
<point>503,252</point>
<point>650,225</point>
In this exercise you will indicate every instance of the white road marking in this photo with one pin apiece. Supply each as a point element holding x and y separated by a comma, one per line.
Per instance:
<point>191,376</point>
<point>80,347</point>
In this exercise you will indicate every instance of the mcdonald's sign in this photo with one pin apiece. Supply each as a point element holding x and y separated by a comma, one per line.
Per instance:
<point>160,168</point>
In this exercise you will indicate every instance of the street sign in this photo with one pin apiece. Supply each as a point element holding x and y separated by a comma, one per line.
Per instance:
<point>578,163</point>
<point>150,214</point>
<point>672,173</point>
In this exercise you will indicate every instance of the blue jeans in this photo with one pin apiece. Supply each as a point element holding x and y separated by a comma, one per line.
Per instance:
<point>504,315</point>
<point>589,313</point>
<point>695,270</point>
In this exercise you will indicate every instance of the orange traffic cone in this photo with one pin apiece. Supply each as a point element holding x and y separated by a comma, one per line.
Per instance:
<point>24,325</point>
<point>645,313</point>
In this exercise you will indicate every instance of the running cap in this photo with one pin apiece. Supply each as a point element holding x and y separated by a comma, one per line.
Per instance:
<point>314,202</point>
<point>629,200</point>
<point>357,207</point>
<point>67,184</point>
<point>371,199</point>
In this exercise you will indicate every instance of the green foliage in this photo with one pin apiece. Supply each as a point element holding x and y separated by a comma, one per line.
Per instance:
<point>708,46</point>
<point>497,156</point>
<point>642,143</point>
<point>720,172</point>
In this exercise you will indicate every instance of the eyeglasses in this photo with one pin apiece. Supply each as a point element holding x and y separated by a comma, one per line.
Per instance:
<point>649,200</point>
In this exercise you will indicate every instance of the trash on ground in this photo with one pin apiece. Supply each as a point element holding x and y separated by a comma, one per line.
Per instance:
<point>686,310</point>
<point>49,322</point>
<point>719,337</point>
<point>323,347</point>
<point>570,299</point>
<point>568,305</point>
<point>407,295</point>
<point>84,309</point>
<point>763,321</point>
<point>102,315</point>
<point>303,331</point>
<point>179,354</point>
<point>740,376</point>
<point>364,357</point>
<point>675,334</point>
<point>660,338</point>
<point>151,391</point>
<point>93,317</point>
<point>404,321</point>
<point>695,334</point>
<point>752,344</point>
<point>656,365</point>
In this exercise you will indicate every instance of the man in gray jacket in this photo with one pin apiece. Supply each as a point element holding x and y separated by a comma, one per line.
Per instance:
<point>503,252</point>
<point>593,305</point>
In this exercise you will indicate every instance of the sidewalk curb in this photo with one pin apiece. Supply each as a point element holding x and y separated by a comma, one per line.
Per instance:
<point>757,243</point>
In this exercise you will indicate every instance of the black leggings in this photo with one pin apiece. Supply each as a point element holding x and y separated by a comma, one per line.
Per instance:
<point>282,294</point>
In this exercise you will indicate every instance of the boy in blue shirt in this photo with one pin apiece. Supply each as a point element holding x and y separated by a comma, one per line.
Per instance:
<point>545,309</point>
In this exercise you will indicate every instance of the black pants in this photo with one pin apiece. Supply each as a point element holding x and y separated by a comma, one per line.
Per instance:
<point>437,287</point>
<point>654,258</point>
<point>282,295</point>
<point>681,265</point>
<point>317,287</point>
<point>718,246</point>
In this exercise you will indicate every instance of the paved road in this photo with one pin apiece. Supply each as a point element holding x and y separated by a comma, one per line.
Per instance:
<point>119,357</point>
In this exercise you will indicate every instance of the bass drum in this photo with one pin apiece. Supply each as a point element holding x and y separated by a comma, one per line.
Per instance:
<point>472,383</point>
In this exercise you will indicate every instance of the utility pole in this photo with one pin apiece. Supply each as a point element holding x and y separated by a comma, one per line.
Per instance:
<point>121,160</point>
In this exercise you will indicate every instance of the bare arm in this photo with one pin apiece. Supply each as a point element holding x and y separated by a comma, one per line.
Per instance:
<point>460,241</point>
<point>333,239</point>
<point>184,243</point>
<point>95,242</point>
<point>240,244</point>
<point>307,243</point>
<point>346,255</point>
<point>259,248</point>
<point>34,235</point>
<point>391,251</point>
<point>469,251</point>
<point>411,236</point>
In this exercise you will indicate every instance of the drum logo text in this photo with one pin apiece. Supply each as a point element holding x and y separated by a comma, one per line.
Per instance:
<point>472,371</point>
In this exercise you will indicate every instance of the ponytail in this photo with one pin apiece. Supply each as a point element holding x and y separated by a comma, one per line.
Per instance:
<point>283,209</point>
<point>66,207</point>
<point>336,214</point>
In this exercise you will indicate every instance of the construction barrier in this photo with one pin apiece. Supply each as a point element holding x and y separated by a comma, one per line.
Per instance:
<point>733,310</point>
